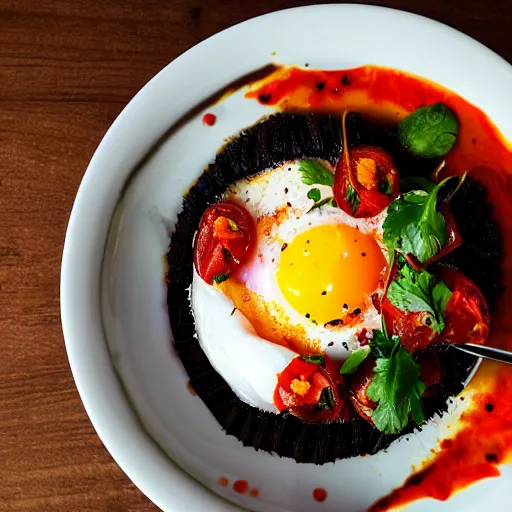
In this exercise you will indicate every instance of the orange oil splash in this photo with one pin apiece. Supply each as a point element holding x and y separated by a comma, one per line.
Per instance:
<point>389,95</point>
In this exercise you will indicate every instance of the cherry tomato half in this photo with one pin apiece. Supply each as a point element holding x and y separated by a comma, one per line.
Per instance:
<point>359,387</point>
<point>368,186</point>
<point>467,315</point>
<point>224,240</point>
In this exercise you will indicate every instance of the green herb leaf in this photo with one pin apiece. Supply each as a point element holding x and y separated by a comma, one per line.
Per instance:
<point>381,345</point>
<point>315,172</point>
<point>323,202</point>
<point>397,389</point>
<point>333,203</point>
<point>416,183</point>
<point>352,198</point>
<point>313,359</point>
<point>219,278</point>
<point>414,225</point>
<point>353,361</point>
<point>326,399</point>
<point>429,132</point>
<point>420,291</point>
<point>314,194</point>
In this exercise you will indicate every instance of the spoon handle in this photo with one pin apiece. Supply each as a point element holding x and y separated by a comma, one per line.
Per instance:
<point>496,354</point>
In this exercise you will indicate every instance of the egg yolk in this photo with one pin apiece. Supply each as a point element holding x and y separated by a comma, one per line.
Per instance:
<point>329,271</point>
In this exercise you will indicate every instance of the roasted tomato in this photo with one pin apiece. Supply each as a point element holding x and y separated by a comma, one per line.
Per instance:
<point>467,314</point>
<point>223,242</point>
<point>415,329</point>
<point>300,383</point>
<point>323,382</point>
<point>366,181</point>
<point>430,369</point>
<point>359,387</point>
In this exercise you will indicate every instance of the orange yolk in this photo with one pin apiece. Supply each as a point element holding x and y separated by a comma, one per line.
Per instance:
<point>329,271</point>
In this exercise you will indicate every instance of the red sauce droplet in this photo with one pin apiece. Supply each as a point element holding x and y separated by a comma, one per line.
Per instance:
<point>240,486</point>
<point>223,481</point>
<point>209,119</point>
<point>254,493</point>
<point>320,494</point>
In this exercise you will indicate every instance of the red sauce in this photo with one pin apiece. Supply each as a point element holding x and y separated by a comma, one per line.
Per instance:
<point>223,481</point>
<point>254,493</point>
<point>241,486</point>
<point>319,494</point>
<point>389,95</point>
<point>209,119</point>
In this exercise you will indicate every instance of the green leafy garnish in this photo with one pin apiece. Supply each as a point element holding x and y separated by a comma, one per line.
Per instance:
<point>314,194</point>
<point>315,172</point>
<point>326,399</point>
<point>420,291</point>
<point>414,225</point>
<point>352,198</point>
<point>396,388</point>
<point>417,183</point>
<point>233,226</point>
<point>353,361</point>
<point>326,201</point>
<point>381,345</point>
<point>429,132</point>
<point>313,359</point>
<point>219,278</point>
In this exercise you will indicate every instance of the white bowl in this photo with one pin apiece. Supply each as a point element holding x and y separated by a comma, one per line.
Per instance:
<point>113,294</point>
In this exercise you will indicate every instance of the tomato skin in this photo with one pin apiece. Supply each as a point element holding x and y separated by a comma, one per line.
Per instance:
<point>320,378</point>
<point>467,314</point>
<point>372,202</point>
<point>414,333</point>
<point>224,240</point>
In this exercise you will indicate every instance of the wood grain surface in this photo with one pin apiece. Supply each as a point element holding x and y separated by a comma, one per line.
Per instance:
<point>67,68</point>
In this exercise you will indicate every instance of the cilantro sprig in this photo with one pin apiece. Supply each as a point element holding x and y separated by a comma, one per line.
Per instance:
<point>315,172</point>
<point>396,385</point>
<point>415,226</point>
<point>420,292</point>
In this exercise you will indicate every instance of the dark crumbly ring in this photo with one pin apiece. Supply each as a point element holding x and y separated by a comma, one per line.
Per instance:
<point>280,138</point>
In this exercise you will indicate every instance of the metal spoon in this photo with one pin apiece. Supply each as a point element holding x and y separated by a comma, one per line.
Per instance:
<point>495,354</point>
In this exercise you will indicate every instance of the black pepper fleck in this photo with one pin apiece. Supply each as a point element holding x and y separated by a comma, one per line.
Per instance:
<point>489,407</point>
<point>307,241</point>
<point>345,345</point>
<point>346,80</point>
<point>330,344</point>
<point>334,323</point>
<point>307,315</point>
<point>324,293</point>
<point>286,190</point>
<point>289,168</point>
<point>320,85</point>
<point>491,457</point>
<point>284,246</point>
<point>363,254</point>
<point>289,204</point>
<point>306,65</point>
<point>345,306</point>
<point>356,311</point>
<point>265,98</point>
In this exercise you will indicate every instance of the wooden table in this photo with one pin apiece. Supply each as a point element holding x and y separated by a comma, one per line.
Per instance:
<point>66,71</point>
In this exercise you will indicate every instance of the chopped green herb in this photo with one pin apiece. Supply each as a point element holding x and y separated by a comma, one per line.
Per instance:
<point>420,291</point>
<point>429,132</point>
<point>314,194</point>
<point>326,399</point>
<point>219,278</point>
<point>315,172</point>
<point>233,226</point>
<point>381,345</point>
<point>323,202</point>
<point>333,203</point>
<point>352,198</point>
<point>313,359</point>
<point>397,388</point>
<point>414,225</point>
<point>353,361</point>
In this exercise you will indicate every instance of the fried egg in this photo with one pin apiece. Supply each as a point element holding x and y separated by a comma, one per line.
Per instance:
<point>309,287</point>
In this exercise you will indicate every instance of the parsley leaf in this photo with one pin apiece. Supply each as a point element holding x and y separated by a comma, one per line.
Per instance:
<point>420,291</point>
<point>353,361</point>
<point>313,359</point>
<point>326,399</point>
<point>314,194</point>
<point>352,198</point>
<point>397,389</point>
<point>315,172</point>
<point>381,345</point>
<point>325,201</point>
<point>219,278</point>
<point>414,226</point>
